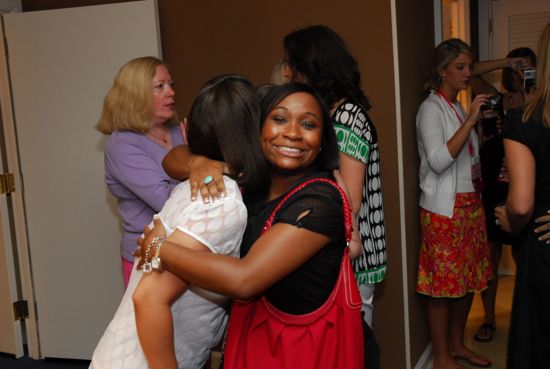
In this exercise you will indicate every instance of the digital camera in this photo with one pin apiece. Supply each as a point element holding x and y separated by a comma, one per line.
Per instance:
<point>529,79</point>
<point>494,103</point>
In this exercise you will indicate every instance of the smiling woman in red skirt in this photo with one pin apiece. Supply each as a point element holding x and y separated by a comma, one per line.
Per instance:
<point>453,258</point>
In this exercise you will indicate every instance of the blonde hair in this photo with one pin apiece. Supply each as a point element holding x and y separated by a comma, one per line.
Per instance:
<point>277,77</point>
<point>127,104</point>
<point>443,55</point>
<point>540,98</point>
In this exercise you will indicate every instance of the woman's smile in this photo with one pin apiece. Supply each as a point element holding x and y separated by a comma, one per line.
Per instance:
<point>289,151</point>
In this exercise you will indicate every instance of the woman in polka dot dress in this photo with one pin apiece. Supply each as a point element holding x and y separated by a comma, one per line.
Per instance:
<point>318,56</point>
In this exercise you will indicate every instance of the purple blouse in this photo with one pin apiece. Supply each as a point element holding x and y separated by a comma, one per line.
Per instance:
<point>134,175</point>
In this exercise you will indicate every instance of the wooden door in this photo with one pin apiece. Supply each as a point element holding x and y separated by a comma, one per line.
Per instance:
<point>61,64</point>
<point>507,24</point>
<point>517,23</point>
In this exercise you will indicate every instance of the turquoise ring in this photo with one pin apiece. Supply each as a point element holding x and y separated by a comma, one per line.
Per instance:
<point>207,180</point>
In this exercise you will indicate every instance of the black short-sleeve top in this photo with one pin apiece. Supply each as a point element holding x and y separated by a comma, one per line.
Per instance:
<point>308,287</point>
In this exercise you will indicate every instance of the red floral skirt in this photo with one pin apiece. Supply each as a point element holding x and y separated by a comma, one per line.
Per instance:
<point>454,255</point>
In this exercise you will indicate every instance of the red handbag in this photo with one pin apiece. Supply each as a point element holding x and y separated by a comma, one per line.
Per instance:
<point>260,336</point>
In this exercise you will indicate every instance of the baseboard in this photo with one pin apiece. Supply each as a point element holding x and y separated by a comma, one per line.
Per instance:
<point>426,358</point>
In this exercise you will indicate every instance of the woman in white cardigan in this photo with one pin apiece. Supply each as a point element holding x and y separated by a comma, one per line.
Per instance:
<point>453,258</point>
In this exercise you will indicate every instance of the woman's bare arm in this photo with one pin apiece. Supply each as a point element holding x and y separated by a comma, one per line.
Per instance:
<point>272,257</point>
<point>461,136</point>
<point>352,172</point>
<point>521,193</point>
<point>486,66</point>
<point>177,162</point>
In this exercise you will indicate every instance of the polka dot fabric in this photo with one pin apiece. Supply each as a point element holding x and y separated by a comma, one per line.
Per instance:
<point>357,138</point>
<point>208,223</point>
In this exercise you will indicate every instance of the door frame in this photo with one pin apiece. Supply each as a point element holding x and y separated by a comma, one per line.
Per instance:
<point>452,20</point>
<point>18,212</point>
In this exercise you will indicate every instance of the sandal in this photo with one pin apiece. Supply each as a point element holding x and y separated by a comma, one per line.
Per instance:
<point>474,360</point>
<point>485,332</point>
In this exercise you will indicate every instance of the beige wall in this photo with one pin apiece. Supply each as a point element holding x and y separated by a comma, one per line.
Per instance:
<point>201,39</point>
<point>416,43</point>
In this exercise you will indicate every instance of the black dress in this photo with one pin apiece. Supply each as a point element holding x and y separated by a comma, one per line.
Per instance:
<point>491,154</point>
<point>529,337</point>
<point>494,192</point>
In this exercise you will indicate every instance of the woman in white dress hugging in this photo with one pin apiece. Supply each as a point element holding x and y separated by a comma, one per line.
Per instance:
<point>223,125</point>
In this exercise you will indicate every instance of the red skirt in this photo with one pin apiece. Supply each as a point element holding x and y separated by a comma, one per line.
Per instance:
<point>454,256</point>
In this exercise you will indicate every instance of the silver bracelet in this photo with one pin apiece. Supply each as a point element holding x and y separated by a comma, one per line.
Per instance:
<point>147,266</point>
<point>156,262</point>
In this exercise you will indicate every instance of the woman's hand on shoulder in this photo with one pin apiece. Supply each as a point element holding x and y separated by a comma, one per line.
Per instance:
<point>206,177</point>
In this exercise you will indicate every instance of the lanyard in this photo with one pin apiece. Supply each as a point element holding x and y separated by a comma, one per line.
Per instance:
<point>460,120</point>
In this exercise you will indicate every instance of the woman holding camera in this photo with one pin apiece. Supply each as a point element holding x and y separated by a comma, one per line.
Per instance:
<point>453,257</point>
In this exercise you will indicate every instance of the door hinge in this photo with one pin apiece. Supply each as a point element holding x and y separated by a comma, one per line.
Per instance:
<point>20,310</point>
<point>7,183</point>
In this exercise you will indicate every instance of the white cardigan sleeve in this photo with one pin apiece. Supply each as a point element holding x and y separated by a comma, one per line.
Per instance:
<point>430,125</point>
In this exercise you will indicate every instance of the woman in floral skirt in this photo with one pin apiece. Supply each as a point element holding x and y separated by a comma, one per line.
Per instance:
<point>454,256</point>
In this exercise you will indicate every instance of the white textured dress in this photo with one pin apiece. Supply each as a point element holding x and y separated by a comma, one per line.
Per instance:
<point>199,316</point>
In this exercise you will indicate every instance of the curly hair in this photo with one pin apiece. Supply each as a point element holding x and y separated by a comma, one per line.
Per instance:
<point>319,57</point>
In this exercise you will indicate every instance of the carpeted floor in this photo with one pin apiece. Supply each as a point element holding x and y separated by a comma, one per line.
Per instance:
<point>8,362</point>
